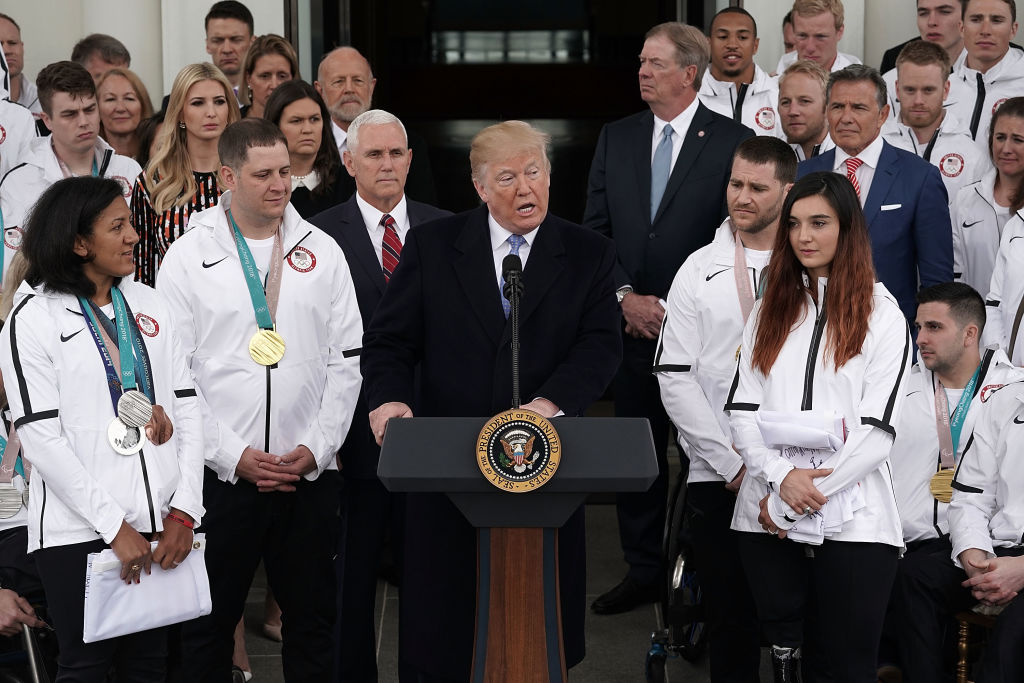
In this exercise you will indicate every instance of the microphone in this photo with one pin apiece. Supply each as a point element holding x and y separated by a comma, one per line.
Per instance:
<point>512,272</point>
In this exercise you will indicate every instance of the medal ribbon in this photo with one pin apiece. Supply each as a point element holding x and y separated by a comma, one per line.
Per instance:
<point>129,353</point>
<point>744,288</point>
<point>264,301</point>
<point>949,428</point>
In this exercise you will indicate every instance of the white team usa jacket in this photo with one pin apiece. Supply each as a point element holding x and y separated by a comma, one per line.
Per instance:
<point>309,397</point>
<point>696,357</point>
<point>867,392</point>
<point>81,489</point>
<point>1006,291</point>
<point>760,104</point>
<point>21,188</point>
<point>977,228</point>
<point>959,160</point>
<point>987,510</point>
<point>915,455</point>
<point>1002,81</point>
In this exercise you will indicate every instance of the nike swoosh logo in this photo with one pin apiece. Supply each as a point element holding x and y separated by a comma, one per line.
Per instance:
<point>68,337</point>
<point>706,279</point>
<point>967,225</point>
<point>1018,421</point>
<point>211,265</point>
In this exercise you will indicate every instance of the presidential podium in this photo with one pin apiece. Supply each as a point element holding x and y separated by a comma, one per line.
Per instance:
<point>518,623</point>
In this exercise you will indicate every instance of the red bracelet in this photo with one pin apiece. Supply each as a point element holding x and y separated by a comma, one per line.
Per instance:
<point>180,520</point>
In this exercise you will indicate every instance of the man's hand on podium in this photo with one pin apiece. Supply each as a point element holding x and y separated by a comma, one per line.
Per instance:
<point>379,418</point>
<point>542,407</point>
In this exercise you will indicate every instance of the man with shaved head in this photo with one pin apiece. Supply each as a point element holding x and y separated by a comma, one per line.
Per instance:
<point>345,80</point>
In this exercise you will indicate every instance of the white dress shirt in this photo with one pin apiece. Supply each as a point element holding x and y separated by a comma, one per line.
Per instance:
<point>680,126</point>
<point>869,155</point>
<point>371,218</point>
<point>500,248</point>
<point>340,137</point>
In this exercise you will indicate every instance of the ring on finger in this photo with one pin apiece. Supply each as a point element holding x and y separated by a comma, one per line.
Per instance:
<point>807,510</point>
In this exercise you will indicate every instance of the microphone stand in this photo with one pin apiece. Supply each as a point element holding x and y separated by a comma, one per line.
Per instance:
<point>513,290</point>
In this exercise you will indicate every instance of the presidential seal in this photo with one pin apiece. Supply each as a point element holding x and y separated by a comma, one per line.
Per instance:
<point>518,450</point>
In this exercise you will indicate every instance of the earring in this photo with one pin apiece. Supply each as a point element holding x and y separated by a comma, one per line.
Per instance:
<point>249,88</point>
<point>181,124</point>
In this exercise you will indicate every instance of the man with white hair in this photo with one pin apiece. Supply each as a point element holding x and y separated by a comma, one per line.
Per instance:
<point>346,82</point>
<point>370,228</point>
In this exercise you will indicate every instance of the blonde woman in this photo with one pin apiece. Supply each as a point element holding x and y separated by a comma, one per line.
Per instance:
<point>181,178</point>
<point>124,104</point>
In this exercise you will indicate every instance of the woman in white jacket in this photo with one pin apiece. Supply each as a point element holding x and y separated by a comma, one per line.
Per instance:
<point>826,347</point>
<point>90,357</point>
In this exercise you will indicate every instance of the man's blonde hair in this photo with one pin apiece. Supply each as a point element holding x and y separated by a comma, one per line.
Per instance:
<point>506,140</point>
<point>812,8</point>
<point>692,46</point>
<point>806,67</point>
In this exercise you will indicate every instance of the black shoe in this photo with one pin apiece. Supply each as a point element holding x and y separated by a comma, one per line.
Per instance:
<point>624,597</point>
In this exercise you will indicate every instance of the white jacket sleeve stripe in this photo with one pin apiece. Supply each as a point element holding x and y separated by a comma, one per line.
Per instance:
<point>16,357</point>
<point>33,417</point>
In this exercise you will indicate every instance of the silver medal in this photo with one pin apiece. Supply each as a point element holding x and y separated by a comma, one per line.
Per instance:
<point>124,439</point>
<point>24,495</point>
<point>10,501</point>
<point>134,408</point>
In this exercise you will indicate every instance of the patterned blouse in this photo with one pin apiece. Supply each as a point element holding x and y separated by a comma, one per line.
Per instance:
<point>158,230</point>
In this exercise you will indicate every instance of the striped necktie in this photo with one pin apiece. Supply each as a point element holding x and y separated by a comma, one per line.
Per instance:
<point>391,248</point>
<point>515,241</point>
<point>852,164</point>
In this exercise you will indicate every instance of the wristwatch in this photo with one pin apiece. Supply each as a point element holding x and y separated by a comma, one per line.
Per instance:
<point>621,292</point>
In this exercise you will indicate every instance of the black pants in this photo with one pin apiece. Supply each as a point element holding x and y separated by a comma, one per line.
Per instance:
<point>831,604</point>
<point>735,646</point>
<point>368,514</point>
<point>295,534</point>
<point>17,568</point>
<point>642,515</point>
<point>136,658</point>
<point>926,595</point>
<point>1003,659</point>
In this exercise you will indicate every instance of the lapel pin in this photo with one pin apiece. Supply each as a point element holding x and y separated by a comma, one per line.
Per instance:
<point>700,133</point>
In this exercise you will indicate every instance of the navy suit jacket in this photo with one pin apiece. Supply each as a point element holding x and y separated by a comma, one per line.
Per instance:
<point>692,208</point>
<point>360,453</point>
<point>442,313</point>
<point>907,213</point>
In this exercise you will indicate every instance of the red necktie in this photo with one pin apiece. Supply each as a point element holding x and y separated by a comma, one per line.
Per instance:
<point>852,164</point>
<point>391,249</point>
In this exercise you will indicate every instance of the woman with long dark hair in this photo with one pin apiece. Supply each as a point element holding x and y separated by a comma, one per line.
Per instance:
<point>105,403</point>
<point>819,386</point>
<point>298,110</point>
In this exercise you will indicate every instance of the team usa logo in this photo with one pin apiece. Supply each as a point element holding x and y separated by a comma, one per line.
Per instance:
<point>988,390</point>
<point>126,187</point>
<point>765,118</point>
<point>13,237</point>
<point>147,325</point>
<point>3,135</point>
<point>998,104</point>
<point>302,259</point>
<point>518,450</point>
<point>952,165</point>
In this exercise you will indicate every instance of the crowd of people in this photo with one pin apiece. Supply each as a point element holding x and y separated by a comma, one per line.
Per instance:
<point>810,277</point>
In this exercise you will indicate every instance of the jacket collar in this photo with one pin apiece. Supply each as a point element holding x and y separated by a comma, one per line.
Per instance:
<point>215,221</point>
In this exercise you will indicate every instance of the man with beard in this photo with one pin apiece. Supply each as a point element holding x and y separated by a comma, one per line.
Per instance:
<point>345,80</point>
<point>696,357</point>
<point>802,109</point>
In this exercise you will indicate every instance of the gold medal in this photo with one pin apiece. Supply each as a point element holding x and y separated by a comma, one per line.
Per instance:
<point>266,347</point>
<point>941,485</point>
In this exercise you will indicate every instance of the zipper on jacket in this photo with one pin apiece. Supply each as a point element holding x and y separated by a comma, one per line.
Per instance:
<point>266,434</point>
<point>42,511</point>
<point>149,493</point>
<point>812,355</point>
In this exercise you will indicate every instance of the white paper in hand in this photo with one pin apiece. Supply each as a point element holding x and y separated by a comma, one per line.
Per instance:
<point>114,608</point>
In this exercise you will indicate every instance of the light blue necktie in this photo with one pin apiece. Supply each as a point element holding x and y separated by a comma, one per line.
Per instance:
<point>515,241</point>
<point>660,169</point>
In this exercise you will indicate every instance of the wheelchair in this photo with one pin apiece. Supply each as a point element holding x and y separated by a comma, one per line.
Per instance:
<point>680,629</point>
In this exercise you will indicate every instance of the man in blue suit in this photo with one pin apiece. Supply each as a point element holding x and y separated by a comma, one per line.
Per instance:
<point>905,203</point>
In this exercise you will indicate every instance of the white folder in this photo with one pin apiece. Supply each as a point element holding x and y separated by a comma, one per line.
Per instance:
<point>114,608</point>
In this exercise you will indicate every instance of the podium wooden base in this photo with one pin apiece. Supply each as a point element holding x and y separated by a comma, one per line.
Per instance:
<point>518,620</point>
